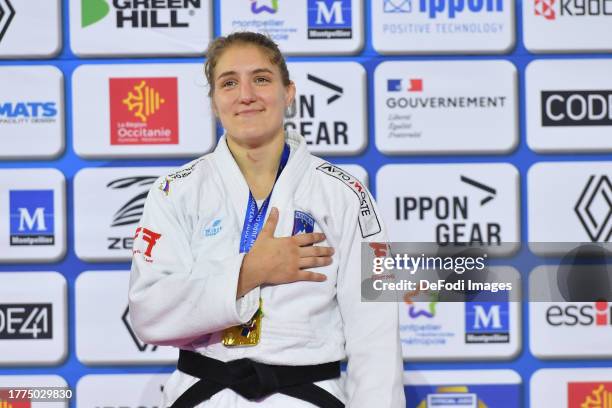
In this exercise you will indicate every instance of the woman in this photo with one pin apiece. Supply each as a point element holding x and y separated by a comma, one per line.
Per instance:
<point>262,315</point>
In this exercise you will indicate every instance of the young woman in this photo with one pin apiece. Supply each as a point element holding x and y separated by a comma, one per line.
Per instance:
<point>262,309</point>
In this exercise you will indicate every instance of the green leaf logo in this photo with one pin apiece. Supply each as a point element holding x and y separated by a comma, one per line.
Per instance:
<point>93,11</point>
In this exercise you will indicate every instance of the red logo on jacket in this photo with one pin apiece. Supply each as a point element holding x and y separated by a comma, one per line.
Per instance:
<point>150,238</point>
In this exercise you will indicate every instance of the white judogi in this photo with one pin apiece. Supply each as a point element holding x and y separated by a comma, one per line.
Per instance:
<point>184,281</point>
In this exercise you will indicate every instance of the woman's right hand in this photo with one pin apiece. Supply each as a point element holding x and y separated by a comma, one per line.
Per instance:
<point>282,260</point>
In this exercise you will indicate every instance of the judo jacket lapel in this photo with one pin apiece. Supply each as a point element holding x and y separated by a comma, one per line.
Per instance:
<point>293,176</point>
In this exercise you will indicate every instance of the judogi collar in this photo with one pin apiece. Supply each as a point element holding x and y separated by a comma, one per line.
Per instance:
<point>286,185</point>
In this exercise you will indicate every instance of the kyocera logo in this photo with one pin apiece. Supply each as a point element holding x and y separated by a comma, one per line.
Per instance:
<point>553,9</point>
<point>595,314</point>
<point>452,8</point>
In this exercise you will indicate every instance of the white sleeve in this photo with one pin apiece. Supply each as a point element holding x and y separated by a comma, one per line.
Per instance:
<point>175,295</point>
<point>375,367</point>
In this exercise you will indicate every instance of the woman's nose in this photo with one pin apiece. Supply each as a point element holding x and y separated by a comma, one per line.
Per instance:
<point>247,92</point>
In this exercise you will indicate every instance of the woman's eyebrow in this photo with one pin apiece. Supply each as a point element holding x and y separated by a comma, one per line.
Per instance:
<point>255,71</point>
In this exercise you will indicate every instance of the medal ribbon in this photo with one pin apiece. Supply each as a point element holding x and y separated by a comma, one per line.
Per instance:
<point>254,217</point>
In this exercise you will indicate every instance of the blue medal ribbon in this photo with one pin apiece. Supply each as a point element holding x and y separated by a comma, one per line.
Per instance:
<point>254,217</point>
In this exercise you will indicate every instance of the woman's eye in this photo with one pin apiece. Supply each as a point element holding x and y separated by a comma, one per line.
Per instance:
<point>229,84</point>
<point>261,80</point>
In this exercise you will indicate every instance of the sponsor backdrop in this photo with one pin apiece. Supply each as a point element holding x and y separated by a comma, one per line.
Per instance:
<point>482,121</point>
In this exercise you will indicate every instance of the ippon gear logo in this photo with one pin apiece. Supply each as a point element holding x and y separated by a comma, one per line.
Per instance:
<point>302,116</point>
<point>589,394</point>
<point>594,208</point>
<point>545,9</point>
<point>454,224</point>
<point>451,7</point>
<point>7,12</point>
<point>143,111</point>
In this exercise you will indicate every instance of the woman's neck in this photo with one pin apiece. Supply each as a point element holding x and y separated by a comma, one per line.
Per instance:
<point>258,163</point>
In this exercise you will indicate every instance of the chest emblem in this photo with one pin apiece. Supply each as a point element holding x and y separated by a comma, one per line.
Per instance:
<point>303,223</point>
<point>213,229</point>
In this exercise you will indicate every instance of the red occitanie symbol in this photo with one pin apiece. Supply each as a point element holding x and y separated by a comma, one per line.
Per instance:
<point>8,399</point>
<point>143,111</point>
<point>589,394</point>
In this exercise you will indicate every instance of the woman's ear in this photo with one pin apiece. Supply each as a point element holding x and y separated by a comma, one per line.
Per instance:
<point>290,94</point>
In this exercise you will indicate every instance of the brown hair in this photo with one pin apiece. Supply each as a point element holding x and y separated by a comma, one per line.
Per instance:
<point>220,44</point>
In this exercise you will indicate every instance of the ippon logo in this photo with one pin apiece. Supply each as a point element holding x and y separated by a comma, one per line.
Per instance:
<point>7,12</point>
<point>577,108</point>
<point>26,321</point>
<point>545,9</point>
<point>144,101</point>
<point>143,110</point>
<point>454,7</point>
<point>452,214</point>
<point>302,116</point>
<point>594,208</point>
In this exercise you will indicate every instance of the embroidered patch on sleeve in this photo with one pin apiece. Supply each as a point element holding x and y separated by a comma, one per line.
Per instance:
<point>368,219</point>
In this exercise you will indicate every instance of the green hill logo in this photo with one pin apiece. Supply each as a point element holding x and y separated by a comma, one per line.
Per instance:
<point>93,11</point>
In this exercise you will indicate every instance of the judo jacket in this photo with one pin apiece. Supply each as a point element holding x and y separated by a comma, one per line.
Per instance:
<point>187,262</point>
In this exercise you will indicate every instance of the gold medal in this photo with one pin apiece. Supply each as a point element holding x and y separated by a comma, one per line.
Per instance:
<point>245,334</point>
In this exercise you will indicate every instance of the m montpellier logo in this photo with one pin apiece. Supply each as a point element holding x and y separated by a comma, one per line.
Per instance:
<point>143,111</point>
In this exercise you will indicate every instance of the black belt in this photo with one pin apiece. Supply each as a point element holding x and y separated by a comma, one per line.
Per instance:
<point>255,380</point>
